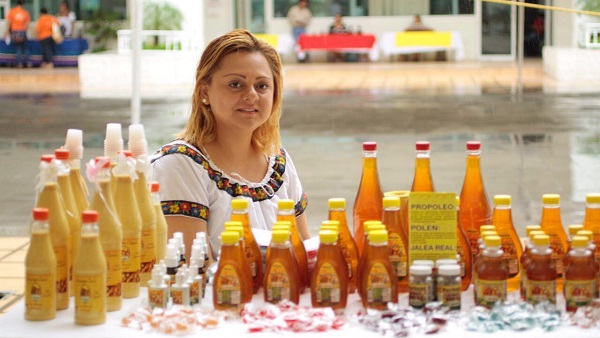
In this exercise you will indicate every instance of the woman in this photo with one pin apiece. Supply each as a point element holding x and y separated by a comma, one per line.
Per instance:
<point>43,30</point>
<point>67,20</point>
<point>230,147</point>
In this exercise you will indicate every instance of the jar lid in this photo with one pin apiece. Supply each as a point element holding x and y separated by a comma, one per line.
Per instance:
<point>420,270</point>
<point>444,261</point>
<point>425,262</point>
<point>449,270</point>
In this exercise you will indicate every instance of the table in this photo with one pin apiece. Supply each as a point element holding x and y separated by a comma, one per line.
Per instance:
<point>393,43</point>
<point>347,43</point>
<point>283,43</point>
<point>66,52</point>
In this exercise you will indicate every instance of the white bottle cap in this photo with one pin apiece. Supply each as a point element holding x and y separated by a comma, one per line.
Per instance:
<point>113,143</point>
<point>163,266</point>
<point>137,140</point>
<point>201,236</point>
<point>172,259</point>
<point>449,270</point>
<point>74,143</point>
<point>180,277</point>
<point>157,276</point>
<point>179,237</point>
<point>192,271</point>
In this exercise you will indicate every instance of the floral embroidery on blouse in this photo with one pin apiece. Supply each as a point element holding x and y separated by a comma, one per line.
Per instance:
<point>301,205</point>
<point>185,208</point>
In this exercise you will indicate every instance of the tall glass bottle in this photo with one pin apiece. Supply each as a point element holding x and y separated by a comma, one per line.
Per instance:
<point>239,213</point>
<point>463,248</point>
<point>511,244</point>
<point>286,212</point>
<point>40,270</point>
<point>282,278</point>
<point>397,243</point>
<point>327,286</point>
<point>337,212</point>
<point>368,202</point>
<point>475,209</point>
<point>551,224</point>
<point>228,281</point>
<point>591,221</point>
<point>378,279</point>
<point>109,226</point>
<point>422,181</point>
<point>491,274</point>
<point>541,272</point>
<point>49,197</point>
<point>161,222</point>
<point>579,275</point>
<point>74,143</point>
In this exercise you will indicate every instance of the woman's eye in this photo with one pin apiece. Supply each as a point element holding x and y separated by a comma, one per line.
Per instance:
<point>263,86</point>
<point>235,85</point>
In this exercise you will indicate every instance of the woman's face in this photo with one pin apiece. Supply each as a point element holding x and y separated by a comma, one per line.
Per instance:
<point>241,92</point>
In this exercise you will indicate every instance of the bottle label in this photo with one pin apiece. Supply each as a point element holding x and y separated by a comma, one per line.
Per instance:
<point>130,259</point>
<point>379,285</point>
<point>510,254</point>
<point>277,283</point>
<point>250,258</point>
<point>228,287</point>
<point>578,292</point>
<point>327,288</point>
<point>40,292</point>
<point>346,254</point>
<point>539,291</point>
<point>397,255</point>
<point>557,253</point>
<point>177,296</point>
<point>418,294</point>
<point>449,295</point>
<point>62,269</point>
<point>490,291</point>
<point>148,250</point>
<point>195,291</point>
<point>113,273</point>
<point>157,297</point>
<point>89,293</point>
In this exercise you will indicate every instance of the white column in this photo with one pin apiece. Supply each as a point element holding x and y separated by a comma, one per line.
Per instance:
<point>136,60</point>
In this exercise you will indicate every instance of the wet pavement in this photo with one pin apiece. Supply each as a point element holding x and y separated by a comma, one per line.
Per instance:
<point>533,144</point>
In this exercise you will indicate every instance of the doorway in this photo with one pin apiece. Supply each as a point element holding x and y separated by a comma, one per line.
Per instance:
<point>534,30</point>
<point>497,31</point>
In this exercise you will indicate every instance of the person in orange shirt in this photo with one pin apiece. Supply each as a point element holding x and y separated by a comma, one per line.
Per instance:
<point>17,22</point>
<point>43,30</point>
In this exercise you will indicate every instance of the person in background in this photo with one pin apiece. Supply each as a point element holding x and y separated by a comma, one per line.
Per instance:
<point>230,147</point>
<point>418,26</point>
<point>43,30</point>
<point>337,27</point>
<point>17,21</point>
<point>299,17</point>
<point>67,20</point>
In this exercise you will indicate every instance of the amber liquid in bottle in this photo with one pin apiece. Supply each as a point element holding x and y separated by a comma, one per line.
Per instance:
<point>397,242</point>
<point>511,244</point>
<point>252,250</point>
<point>148,216</point>
<point>337,212</point>
<point>328,287</point>
<point>80,191</point>
<point>282,278</point>
<point>541,272</point>
<point>580,276</point>
<point>161,222</point>
<point>378,279</point>
<point>475,209</point>
<point>368,202</point>
<point>491,274</point>
<point>286,213</point>
<point>241,256</point>
<point>525,260</point>
<point>229,280</point>
<point>591,222</point>
<point>463,248</point>
<point>368,226</point>
<point>551,224</point>
<point>422,180</point>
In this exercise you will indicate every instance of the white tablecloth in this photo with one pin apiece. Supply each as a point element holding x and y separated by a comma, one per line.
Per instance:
<point>388,46</point>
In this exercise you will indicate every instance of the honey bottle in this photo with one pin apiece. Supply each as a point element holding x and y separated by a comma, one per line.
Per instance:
<point>368,202</point>
<point>492,274</point>
<point>161,222</point>
<point>592,247</point>
<point>463,248</point>
<point>335,226</point>
<point>511,244</point>
<point>286,212</point>
<point>40,270</point>
<point>74,143</point>
<point>328,287</point>
<point>475,209</point>
<point>337,212</point>
<point>524,260</point>
<point>572,230</point>
<point>397,243</point>
<point>368,226</point>
<point>89,274</point>
<point>109,227</point>
<point>541,272</point>
<point>579,275</point>
<point>228,282</point>
<point>591,221</point>
<point>378,279</point>
<point>63,179</point>
<point>283,226</point>
<point>477,261</point>
<point>126,207</point>
<point>239,213</point>
<point>422,180</point>
<point>237,226</point>
<point>282,278</point>
<point>551,224</point>
<point>49,197</point>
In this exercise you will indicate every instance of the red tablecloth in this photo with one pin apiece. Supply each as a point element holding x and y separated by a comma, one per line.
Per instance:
<point>336,42</point>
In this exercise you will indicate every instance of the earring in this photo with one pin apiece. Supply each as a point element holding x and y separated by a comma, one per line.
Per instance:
<point>205,101</point>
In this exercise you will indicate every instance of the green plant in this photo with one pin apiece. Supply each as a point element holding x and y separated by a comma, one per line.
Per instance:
<point>103,27</point>
<point>589,5</point>
<point>161,16</point>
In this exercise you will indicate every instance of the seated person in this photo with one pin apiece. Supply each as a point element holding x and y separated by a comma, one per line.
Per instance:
<point>337,27</point>
<point>418,26</point>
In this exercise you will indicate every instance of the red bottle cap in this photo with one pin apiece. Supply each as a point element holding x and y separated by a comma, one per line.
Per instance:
<point>369,146</point>
<point>422,145</point>
<point>40,214</point>
<point>127,153</point>
<point>106,160</point>
<point>154,186</point>
<point>89,216</point>
<point>62,154</point>
<point>473,145</point>
<point>47,158</point>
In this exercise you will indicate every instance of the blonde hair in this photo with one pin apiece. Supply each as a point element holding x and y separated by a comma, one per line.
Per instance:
<point>201,126</point>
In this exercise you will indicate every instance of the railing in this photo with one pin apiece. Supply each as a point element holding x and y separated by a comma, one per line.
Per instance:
<point>589,36</point>
<point>158,40</point>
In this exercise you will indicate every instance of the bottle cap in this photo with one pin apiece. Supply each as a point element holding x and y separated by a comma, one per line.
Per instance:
<point>237,228</point>
<point>369,146</point>
<point>285,204</point>
<point>534,233</point>
<point>127,153</point>
<point>422,145</point>
<point>444,261</point>
<point>74,143</point>
<point>201,236</point>
<point>330,227</point>
<point>280,236</point>
<point>193,270</point>
<point>157,276</point>
<point>592,198</point>
<point>336,203</point>
<point>425,262</point>
<point>180,277</point>
<point>579,242</point>
<point>502,200</point>
<point>330,223</point>
<point>137,140</point>
<point>197,253</point>
<point>573,228</point>
<point>282,224</point>
<point>328,236</point>
<point>62,154</point>
<point>420,270</point>
<point>172,257</point>
<point>551,199</point>
<point>378,236</point>
<point>239,204</point>
<point>40,214</point>
<point>113,143</point>
<point>154,186</point>
<point>368,224</point>
<point>485,234</point>
<point>230,237</point>
<point>449,269</point>
<point>89,216</point>
<point>541,240</point>
<point>391,202</point>
<point>47,158</point>
<point>532,227</point>
<point>487,227</point>
<point>586,233</point>
<point>473,145</point>
<point>491,241</point>
<point>105,160</point>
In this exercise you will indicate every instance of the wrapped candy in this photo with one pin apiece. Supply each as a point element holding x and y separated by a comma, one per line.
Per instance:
<point>178,320</point>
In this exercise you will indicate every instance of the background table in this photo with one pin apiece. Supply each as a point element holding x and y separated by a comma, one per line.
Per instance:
<point>393,43</point>
<point>66,52</point>
<point>346,43</point>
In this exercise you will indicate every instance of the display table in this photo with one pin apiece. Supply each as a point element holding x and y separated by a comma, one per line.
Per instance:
<point>13,324</point>
<point>66,53</point>
<point>346,43</point>
<point>393,43</point>
<point>283,43</point>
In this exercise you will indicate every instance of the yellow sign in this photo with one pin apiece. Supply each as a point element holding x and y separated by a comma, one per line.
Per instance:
<point>424,38</point>
<point>432,226</point>
<point>271,39</point>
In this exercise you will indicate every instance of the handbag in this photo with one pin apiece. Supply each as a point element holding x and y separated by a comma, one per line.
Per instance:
<point>56,34</point>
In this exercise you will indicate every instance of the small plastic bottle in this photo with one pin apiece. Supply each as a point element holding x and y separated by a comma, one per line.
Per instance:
<point>161,222</point>
<point>511,244</point>
<point>158,291</point>
<point>448,285</point>
<point>368,226</point>
<point>180,291</point>
<point>172,263</point>
<point>580,275</point>
<point>572,230</point>
<point>228,292</point>
<point>492,274</point>
<point>197,259</point>
<point>524,261</point>
<point>591,221</point>
<point>397,242</point>
<point>541,272</point>
<point>420,286</point>
<point>286,212</point>
<point>551,224</point>
<point>195,281</point>
<point>237,226</point>
<point>378,279</point>
<point>422,180</point>
<point>178,237</point>
<point>337,212</point>
<point>74,142</point>
<point>239,213</point>
<point>282,277</point>
<point>328,287</point>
